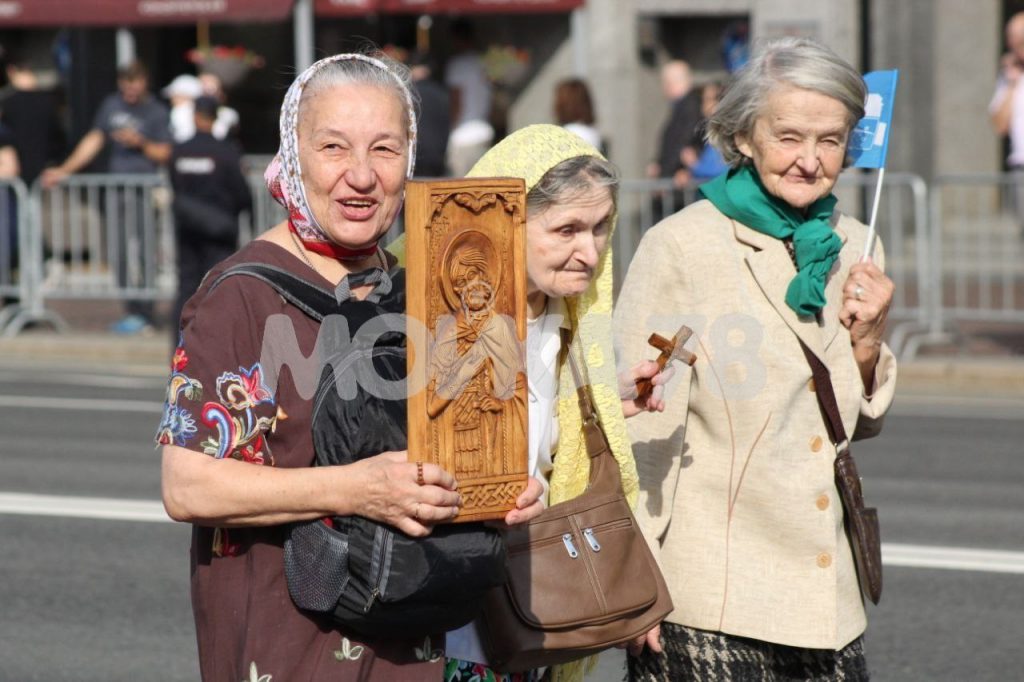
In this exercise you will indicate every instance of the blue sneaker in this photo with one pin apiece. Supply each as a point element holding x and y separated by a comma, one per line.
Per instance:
<point>130,325</point>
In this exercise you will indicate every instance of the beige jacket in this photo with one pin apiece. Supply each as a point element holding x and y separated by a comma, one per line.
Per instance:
<point>737,492</point>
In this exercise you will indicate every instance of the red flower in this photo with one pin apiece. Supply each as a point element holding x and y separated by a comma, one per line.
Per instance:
<point>252,381</point>
<point>180,359</point>
<point>251,454</point>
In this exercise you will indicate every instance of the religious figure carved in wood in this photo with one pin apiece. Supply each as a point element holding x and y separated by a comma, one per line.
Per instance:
<point>466,283</point>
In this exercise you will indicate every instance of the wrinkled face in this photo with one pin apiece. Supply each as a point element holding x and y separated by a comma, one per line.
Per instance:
<point>565,242</point>
<point>798,145</point>
<point>353,150</point>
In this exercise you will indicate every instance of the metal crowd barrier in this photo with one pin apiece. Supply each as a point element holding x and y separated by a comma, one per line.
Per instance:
<point>976,250</point>
<point>954,252</point>
<point>102,236</point>
<point>902,225</point>
<point>266,212</point>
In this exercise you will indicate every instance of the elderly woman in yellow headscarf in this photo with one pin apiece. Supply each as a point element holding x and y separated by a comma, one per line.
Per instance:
<point>570,213</point>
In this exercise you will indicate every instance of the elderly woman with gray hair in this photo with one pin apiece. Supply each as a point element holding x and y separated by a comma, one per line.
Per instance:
<point>738,496</point>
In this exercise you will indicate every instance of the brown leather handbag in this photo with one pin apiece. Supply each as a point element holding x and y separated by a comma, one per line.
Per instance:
<point>861,522</point>
<point>581,577</point>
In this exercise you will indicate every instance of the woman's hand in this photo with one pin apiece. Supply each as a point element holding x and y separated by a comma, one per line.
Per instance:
<point>655,402</point>
<point>394,491</point>
<point>651,639</point>
<point>867,295</point>
<point>528,504</point>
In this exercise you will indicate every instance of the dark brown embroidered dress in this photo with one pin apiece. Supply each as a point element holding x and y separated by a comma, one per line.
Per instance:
<point>241,386</point>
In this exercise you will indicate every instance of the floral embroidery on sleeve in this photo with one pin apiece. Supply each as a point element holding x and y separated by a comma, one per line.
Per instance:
<point>240,431</point>
<point>178,425</point>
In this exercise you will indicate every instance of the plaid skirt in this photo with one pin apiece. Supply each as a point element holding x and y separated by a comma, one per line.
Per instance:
<point>691,654</point>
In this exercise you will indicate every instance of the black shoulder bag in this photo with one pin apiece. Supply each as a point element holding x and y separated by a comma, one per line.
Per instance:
<point>369,576</point>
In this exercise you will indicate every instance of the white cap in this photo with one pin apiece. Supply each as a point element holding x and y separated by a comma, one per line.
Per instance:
<point>184,86</point>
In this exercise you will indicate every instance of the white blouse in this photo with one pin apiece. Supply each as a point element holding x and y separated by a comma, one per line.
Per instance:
<point>543,342</point>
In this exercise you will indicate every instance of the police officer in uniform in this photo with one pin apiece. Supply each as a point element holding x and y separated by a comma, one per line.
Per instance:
<point>209,193</point>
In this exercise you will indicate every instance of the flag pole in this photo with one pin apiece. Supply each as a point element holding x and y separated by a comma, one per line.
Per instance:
<point>869,243</point>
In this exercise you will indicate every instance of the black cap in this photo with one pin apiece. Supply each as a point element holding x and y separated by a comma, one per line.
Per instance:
<point>207,106</point>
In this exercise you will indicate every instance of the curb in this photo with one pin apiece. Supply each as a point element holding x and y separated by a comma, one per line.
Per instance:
<point>1003,376</point>
<point>84,351</point>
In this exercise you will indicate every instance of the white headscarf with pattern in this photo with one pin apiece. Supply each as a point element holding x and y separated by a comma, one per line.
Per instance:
<point>284,174</point>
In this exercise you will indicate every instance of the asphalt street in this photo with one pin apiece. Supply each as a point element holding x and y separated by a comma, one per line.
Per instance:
<point>95,579</point>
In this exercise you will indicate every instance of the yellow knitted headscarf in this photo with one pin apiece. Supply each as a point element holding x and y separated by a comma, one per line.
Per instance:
<point>529,153</point>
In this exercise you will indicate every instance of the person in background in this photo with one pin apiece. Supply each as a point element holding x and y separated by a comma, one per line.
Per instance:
<point>30,112</point>
<point>680,129</point>
<point>1006,110</point>
<point>210,192</point>
<point>704,160</point>
<point>228,121</point>
<point>738,495</point>
<point>433,117</point>
<point>136,128</point>
<point>9,170</point>
<point>182,93</point>
<point>574,110</point>
<point>470,89</point>
<point>9,166</point>
<point>33,138</point>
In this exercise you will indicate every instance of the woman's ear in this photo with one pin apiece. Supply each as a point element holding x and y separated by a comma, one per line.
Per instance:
<point>742,143</point>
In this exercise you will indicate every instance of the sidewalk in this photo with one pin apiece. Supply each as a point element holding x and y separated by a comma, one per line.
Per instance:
<point>978,375</point>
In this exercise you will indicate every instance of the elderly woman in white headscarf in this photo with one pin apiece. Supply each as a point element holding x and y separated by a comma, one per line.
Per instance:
<point>236,436</point>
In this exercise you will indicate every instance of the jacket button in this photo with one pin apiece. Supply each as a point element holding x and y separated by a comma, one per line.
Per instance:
<point>810,385</point>
<point>822,502</point>
<point>816,443</point>
<point>824,560</point>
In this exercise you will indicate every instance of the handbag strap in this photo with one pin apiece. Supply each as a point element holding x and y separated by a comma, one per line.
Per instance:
<point>847,476</point>
<point>581,379</point>
<point>604,469</point>
<point>827,399</point>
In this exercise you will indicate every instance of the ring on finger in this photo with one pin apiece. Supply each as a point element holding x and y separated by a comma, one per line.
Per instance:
<point>416,511</point>
<point>858,293</point>
<point>419,473</point>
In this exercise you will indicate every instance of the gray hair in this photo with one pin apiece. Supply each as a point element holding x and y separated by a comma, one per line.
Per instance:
<point>394,78</point>
<point>797,62</point>
<point>570,178</point>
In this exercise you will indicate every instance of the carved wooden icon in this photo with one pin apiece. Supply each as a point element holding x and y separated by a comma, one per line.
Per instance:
<point>466,284</point>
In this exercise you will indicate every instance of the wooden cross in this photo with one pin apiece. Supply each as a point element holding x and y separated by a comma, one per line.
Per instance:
<point>671,349</point>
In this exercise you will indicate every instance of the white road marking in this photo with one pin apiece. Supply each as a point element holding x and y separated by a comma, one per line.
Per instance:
<point>953,558</point>
<point>109,509</point>
<point>105,508</point>
<point>84,404</point>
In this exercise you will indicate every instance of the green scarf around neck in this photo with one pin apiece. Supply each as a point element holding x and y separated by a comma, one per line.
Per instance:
<point>740,195</point>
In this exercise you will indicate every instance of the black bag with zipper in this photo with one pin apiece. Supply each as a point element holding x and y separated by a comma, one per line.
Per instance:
<point>367,575</point>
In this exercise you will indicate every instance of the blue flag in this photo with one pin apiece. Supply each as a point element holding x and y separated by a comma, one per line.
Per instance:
<point>870,138</point>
